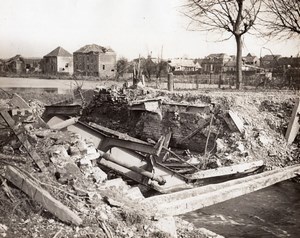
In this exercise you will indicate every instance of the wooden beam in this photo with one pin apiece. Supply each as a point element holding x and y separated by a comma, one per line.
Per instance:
<point>41,196</point>
<point>294,126</point>
<point>228,170</point>
<point>193,199</point>
<point>22,138</point>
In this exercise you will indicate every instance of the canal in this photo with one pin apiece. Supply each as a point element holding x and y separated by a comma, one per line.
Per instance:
<point>270,212</point>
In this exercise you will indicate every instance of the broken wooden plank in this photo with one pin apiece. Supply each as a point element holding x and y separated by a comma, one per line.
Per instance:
<point>167,139</point>
<point>41,196</point>
<point>22,138</point>
<point>234,122</point>
<point>294,126</point>
<point>193,199</point>
<point>228,170</point>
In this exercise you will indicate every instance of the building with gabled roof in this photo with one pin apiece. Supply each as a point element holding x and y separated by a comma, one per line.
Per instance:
<point>182,64</point>
<point>270,61</point>
<point>58,61</point>
<point>15,64</point>
<point>95,60</point>
<point>251,59</point>
<point>214,63</point>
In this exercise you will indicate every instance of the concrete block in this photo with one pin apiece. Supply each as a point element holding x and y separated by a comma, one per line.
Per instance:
<point>99,175</point>
<point>135,193</point>
<point>118,183</point>
<point>167,225</point>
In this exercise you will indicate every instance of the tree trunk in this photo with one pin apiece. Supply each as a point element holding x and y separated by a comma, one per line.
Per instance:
<point>239,76</point>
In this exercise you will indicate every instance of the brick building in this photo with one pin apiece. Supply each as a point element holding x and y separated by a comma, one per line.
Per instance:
<point>251,59</point>
<point>214,63</point>
<point>270,61</point>
<point>58,61</point>
<point>95,60</point>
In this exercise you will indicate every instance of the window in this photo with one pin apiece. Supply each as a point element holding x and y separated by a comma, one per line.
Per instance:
<point>103,67</point>
<point>67,65</point>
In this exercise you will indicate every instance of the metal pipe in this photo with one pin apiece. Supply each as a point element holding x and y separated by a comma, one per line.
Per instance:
<point>64,124</point>
<point>107,156</point>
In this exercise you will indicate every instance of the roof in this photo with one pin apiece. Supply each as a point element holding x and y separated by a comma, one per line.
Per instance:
<point>271,57</point>
<point>231,63</point>
<point>59,51</point>
<point>220,55</point>
<point>93,48</point>
<point>184,63</point>
<point>15,58</point>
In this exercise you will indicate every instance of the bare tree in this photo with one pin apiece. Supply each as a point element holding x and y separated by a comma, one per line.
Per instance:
<point>235,17</point>
<point>281,18</point>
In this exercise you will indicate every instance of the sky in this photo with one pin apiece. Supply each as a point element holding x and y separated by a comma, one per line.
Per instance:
<point>33,28</point>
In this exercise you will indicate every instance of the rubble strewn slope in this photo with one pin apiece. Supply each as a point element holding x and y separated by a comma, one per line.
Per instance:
<point>106,204</point>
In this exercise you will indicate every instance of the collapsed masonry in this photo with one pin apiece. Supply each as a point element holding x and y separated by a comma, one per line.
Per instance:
<point>208,126</point>
<point>80,155</point>
<point>66,181</point>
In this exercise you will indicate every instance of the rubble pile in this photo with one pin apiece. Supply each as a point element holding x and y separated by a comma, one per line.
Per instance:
<point>264,120</point>
<point>52,183</point>
<point>109,108</point>
<point>71,196</point>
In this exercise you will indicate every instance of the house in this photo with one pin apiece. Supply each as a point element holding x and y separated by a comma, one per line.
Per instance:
<point>2,65</point>
<point>214,63</point>
<point>19,64</point>
<point>32,65</point>
<point>251,59</point>
<point>182,64</point>
<point>95,60</point>
<point>230,67</point>
<point>15,65</point>
<point>289,62</point>
<point>270,61</point>
<point>58,61</point>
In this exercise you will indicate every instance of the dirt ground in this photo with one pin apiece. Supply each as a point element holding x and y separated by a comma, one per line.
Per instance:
<point>265,116</point>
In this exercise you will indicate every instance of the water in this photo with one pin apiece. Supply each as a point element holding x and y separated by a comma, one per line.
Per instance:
<point>270,212</point>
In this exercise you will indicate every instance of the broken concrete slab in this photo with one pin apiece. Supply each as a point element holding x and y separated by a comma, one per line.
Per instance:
<point>234,122</point>
<point>189,200</point>
<point>113,203</point>
<point>99,175</point>
<point>134,193</point>
<point>294,124</point>
<point>228,170</point>
<point>117,183</point>
<point>166,224</point>
<point>40,195</point>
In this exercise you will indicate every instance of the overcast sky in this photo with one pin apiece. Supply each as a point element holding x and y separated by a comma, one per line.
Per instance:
<point>33,28</point>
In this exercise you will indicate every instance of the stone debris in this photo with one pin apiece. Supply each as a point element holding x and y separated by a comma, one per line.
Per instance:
<point>3,230</point>
<point>103,205</point>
